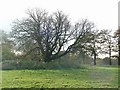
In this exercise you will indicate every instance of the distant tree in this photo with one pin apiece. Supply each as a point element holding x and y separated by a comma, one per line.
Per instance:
<point>7,47</point>
<point>49,34</point>
<point>93,46</point>
<point>108,44</point>
<point>86,49</point>
<point>117,34</point>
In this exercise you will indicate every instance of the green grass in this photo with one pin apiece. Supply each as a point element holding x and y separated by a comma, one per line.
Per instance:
<point>91,77</point>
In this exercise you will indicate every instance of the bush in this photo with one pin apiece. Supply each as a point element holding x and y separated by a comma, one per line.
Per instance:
<point>30,64</point>
<point>21,64</point>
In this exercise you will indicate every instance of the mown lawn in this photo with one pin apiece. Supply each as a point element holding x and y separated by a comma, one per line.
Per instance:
<point>92,77</point>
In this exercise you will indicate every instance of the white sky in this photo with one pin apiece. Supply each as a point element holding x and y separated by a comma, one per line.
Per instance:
<point>104,13</point>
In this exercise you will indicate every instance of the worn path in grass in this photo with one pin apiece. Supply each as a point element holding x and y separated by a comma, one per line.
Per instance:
<point>92,77</point>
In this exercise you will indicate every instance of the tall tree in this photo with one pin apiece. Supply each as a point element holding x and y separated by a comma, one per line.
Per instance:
<point>51,34</point>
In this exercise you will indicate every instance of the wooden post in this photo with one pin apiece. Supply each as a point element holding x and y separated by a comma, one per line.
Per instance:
<point>118,34</point>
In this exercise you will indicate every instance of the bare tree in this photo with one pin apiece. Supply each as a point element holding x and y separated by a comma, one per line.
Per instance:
<point>94,44</point>
<point>108,45</point>
<point>50,36</point>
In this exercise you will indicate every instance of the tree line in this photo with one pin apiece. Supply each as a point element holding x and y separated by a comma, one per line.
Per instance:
<point>46,37</point>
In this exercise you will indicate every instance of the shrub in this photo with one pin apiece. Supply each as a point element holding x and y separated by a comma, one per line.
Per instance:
<point>30,64</point>
<point>21,64</point>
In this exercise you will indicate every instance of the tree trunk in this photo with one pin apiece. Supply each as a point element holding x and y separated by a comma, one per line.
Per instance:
<point>94,59</point>
<point>110,62</point>
<point>83,58</point>
<point>94,53</point>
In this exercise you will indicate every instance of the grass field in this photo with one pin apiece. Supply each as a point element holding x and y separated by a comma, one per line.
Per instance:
<point>90,77</point>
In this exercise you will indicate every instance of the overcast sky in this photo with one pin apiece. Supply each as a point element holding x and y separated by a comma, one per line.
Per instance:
<point>104,13</point>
